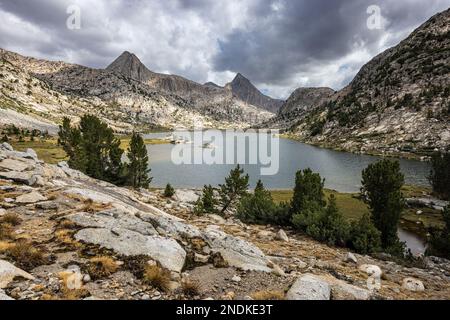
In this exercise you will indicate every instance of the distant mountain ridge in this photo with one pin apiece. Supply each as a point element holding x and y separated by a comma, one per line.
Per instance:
<point>127,95</point>
<point>240,88</point>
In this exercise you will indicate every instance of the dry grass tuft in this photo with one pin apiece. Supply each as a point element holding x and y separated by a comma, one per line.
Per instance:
<point>5,232</point>
<point>11,218</point>
<point>4,246</point>
<point>268,295</point>
<point>101,267</point>
<point>67,224</point>
<point>157,277</point>
<point>190,288</point>
<point>64,236</point>
<point>26,256</point>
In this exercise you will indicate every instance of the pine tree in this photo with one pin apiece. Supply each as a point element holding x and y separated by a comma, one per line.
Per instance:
<point>207,202</point>
<point>308,189</point>
<point>382,183</point>
<point>257,207</point>
<point>137,169</point>
<point>236,185</point>
<point>93,149</point>
<point>440,174</point>
<point>439,244</point>
<point>169,191</point>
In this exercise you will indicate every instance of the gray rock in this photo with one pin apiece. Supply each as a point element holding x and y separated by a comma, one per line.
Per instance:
<point>371,270</point>
<point>236,252</point>
<point>236,278</point>
<point>19,177</point>
<point>6,146</point>
<point>309,287</point>
<point>2,212</point>
<point>350,257</point>
<point>281,235</point>
<point>345,291</point>
<point>4,296</point>
<point>112,219</point>
<point>14,165</point>
<point>172,226</point>
<point>130,243</point>
<point>200,258</point>
<point>187,196</point>
<point>47,205</point>
<point>8,272</point>
<point>31,197</point>
<point>412,284</point>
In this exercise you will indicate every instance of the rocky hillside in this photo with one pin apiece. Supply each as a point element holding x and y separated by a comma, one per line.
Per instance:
<point>38,93</point>
<point>64,235</point>
<point>242,88</point>
<point>301,102</point>
<point>398,102</point>
<point>239,90</point>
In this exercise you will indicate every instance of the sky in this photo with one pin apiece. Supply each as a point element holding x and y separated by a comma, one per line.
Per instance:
<point>279,45</point>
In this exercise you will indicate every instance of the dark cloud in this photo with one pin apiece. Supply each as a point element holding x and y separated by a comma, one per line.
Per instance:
<point>296,36</point>
<point>278,44</point>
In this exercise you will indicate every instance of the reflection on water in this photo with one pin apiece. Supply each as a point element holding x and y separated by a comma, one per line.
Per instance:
<point>413,241</point>
<point>341,170</point>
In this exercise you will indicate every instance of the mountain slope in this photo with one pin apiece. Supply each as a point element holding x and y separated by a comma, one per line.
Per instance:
<point>200,96</point>
<point>47,91</point>
<point>398,102</point>
<point>300,103</point>
<point>247,92</point>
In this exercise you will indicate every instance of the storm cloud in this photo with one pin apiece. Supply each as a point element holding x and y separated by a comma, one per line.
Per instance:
<point>279,45</point>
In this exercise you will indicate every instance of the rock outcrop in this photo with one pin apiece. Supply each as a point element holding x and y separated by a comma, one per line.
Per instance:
<point>37,94</point>
<point>87,239</point>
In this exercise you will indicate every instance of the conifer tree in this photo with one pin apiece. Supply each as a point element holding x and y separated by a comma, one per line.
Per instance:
<point>169,191</point>
<point>207,202</point>
<point>382,183</point>
<point>236,185</point>
<point>137,168</point>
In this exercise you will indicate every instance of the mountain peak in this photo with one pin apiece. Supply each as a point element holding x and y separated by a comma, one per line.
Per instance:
<point>247,92</point>
<point>239,77</point>
<point>129,65</point>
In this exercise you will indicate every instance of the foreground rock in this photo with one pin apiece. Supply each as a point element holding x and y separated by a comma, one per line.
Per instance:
<point>8,272</point>
<point>309,287</point>
<point>4,297</point>
<point>236,252</point>
<point>130,243</point>
<point>412,284</point>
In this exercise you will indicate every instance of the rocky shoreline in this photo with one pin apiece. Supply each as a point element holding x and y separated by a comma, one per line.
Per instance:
<point>74,220</point>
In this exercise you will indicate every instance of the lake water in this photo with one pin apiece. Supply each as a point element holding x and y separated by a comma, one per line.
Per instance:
<point>341,170</point>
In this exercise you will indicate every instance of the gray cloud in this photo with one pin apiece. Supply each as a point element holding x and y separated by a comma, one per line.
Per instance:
<point>278,44</point>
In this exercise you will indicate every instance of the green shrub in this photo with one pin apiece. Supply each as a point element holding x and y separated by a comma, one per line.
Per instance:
<point>259,208</point>
<point>364,237</point>
<point>440,175</point>
<point>325,224</point>
<point>169,191</point>
<point>439,243</point>
<point>207,202</point>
